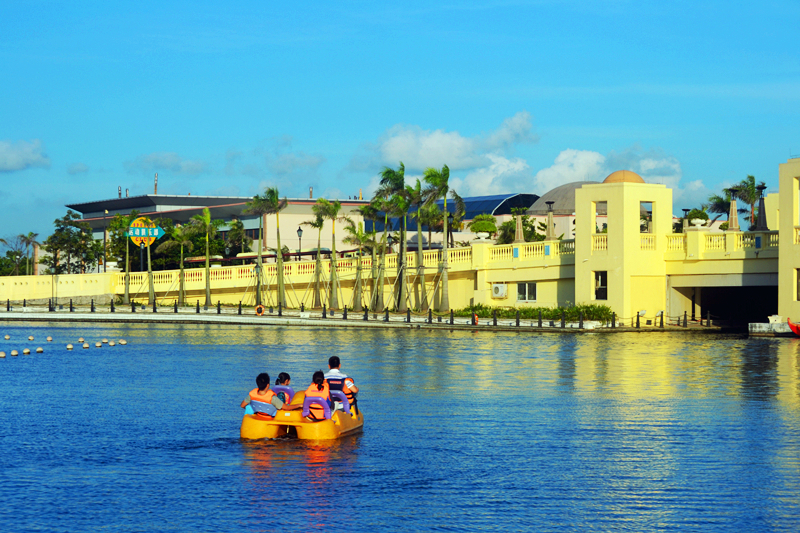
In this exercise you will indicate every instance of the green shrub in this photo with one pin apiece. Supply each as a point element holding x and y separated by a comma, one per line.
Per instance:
<point>598,312</point>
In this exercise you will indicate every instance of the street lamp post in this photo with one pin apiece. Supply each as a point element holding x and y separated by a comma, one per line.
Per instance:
<point>449,228</point>
<point>299,241</point>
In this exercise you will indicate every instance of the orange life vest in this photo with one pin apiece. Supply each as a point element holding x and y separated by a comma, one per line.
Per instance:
<point>264,398</point>
<point>315,412</point>
<point>339,384</point>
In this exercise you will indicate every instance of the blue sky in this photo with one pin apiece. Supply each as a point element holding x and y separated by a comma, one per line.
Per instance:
<point>513,96</point>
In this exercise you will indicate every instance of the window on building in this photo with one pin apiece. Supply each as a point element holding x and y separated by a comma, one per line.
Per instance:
<point>646,217</point>
<point>601,285</point>
<point>797,284</point>
<point>526,292</point>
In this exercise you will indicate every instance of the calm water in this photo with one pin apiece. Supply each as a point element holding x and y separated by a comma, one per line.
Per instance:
<point>464,432</point>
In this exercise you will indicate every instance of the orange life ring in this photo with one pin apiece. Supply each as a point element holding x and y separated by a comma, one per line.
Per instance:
<point>259,310</point>
<point>475,318</point>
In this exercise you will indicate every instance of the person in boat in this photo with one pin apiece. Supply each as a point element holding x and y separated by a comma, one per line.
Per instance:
<point>283,379</point>
<point>319,389</point>
<point>338,380</point>
<point>268,403</point>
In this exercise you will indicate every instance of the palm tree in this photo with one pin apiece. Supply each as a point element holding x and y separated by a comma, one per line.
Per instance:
<point>746,191</point>
<point>330,210</point>
<point>317,223</point>
<point>392,187</point>
<point>400,206</point>
<point>237,236</point>
<point>458,215</point>
<point>416,199</point>
<point>275,205</point>
<point>438,187</point>
<point>258,206</point>
<point>372,213</point>
<point>357,237</point>
<point>202,224</point>
<point>431,217</point>
<point>181,237</point>
<point>382,205</point>
<point>28,240</point>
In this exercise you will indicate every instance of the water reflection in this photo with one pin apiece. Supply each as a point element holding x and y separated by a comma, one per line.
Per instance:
<point>759,370</point>
<point>464,431</point>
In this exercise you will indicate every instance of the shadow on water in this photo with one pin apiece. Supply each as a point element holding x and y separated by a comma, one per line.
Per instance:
<point>759,370</point>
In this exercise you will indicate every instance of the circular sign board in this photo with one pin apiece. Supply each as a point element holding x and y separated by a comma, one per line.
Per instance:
<point>143,232</point>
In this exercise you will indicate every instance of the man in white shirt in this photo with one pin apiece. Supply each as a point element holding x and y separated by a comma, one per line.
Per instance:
<point>338,380</point>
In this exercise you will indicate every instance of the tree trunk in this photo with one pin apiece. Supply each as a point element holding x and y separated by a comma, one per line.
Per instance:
<point>333,300</point>
<point>422,303</point>
<point>444,305</point>
<point>152,292</point>
<point>382,267</point>
<point>208,274</point>
<point>181,292</point>
<point>403,303</point>
<point>357,303</point>
<point>127,298</point>
<point>317,272</point>
<point>259,262</point>
<point>373,303</point>
<point>279,259</point>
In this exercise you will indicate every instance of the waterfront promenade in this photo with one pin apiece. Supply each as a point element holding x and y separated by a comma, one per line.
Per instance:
<point>295,318</point>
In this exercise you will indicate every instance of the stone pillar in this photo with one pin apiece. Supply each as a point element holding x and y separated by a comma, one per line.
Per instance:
<point>550,234</point>
<point>733,216</point>
<point>35,259</point>
<point>480,259</point>
<point>695,242</point>
<point>519,234</point>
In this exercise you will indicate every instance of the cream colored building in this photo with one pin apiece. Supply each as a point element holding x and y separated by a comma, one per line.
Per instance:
<point>637,267</point>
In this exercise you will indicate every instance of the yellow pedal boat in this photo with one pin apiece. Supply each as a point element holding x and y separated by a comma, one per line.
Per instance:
<point>336,424</point>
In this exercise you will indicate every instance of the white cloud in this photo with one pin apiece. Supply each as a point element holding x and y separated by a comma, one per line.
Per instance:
<point>500,175</point>
<point>653,165</point>
<point>419,149</point>
<point>169,161</point>
<point>570,165</point>
<point>77,168</point>
<point>21,155</point>
<point>480,164</point>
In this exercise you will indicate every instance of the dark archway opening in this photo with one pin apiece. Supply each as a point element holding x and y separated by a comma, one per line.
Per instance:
<point>739,306</point>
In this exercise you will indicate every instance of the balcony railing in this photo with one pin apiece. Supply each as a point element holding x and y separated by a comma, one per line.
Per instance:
<point>648,242</point>
<point>715,242</point>
<point>676,242</point>
<point>599,242</point>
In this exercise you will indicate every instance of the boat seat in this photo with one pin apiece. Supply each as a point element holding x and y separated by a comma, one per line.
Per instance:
<point>263,408</point>
<point>340,396</point>
<point>286,390</point>
<point>311,400</point>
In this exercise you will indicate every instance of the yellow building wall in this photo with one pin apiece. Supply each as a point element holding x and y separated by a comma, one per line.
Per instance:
<point>648,293</point>
<point>789,223</point>
<point>624,251</point>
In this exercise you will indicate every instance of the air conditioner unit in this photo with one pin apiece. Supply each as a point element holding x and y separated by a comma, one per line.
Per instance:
<point>499,290</point>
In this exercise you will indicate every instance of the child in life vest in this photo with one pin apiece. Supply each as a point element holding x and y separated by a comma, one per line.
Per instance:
<point>270,403</point>
<point>319,388</point>
<point>283,379</point>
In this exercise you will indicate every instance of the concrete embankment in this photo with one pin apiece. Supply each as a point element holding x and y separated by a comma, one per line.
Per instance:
<point>314,319</point>
<point>760,329</point>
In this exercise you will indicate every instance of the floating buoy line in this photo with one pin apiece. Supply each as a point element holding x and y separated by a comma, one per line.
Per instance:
<point>81,341</point>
